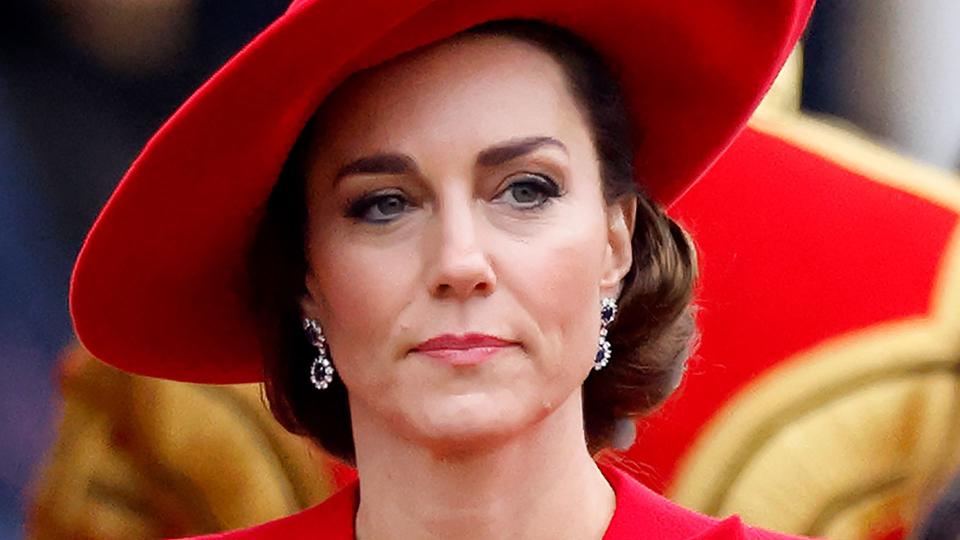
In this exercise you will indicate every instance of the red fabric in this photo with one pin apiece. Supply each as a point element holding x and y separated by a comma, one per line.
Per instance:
<point>160,286</point>
<point>794,250</point>
<point>640,513</point>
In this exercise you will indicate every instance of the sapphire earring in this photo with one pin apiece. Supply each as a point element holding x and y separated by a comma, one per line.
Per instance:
<point>321,370</point>
<point>608,310</point>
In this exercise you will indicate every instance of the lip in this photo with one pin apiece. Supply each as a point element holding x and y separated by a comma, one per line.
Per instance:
<point>463,349</point>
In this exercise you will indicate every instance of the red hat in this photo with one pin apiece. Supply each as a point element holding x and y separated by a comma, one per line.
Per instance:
<point>160,287</point>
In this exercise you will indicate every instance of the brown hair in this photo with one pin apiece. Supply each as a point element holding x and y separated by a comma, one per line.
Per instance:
<point>651,338</point>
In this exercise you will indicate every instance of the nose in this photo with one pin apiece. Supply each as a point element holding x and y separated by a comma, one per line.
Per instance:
<point>462,265</point>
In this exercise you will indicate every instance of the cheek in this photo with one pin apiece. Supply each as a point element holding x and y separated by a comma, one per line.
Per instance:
<point>556,280</point>
<point>364,292</point>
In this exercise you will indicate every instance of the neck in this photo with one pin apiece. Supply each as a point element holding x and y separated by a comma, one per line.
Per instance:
<point>541,483</point>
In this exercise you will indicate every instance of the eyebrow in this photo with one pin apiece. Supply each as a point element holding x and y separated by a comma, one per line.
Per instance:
<point>393,163</point>
<point>514,148</point>
<point>378,164</point>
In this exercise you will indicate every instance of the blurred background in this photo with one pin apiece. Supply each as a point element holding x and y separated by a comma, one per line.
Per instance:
<point>83,84</point>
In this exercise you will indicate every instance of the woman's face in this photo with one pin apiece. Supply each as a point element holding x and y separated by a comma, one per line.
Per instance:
<point>458,241</point>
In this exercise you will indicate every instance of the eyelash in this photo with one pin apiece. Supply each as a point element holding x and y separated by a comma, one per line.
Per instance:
<point>543,185</point>
<point>359,208</point>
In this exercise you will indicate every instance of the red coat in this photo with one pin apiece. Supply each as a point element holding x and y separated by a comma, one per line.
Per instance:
<point>640,513</point>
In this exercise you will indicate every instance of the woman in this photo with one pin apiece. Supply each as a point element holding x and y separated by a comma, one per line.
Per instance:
<point>417,223</point>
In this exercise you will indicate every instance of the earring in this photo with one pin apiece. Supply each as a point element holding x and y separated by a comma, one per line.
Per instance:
<point>608,310</point>
<point>321,370</point>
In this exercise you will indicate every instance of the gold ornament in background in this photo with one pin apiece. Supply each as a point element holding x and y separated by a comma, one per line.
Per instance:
<point>138,457</point>
<point>864,428</point>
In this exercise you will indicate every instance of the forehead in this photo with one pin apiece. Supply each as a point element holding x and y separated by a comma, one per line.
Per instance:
<point>468,88</point>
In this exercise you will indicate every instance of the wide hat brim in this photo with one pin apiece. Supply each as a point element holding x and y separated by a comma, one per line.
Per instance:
<point>160,287</point>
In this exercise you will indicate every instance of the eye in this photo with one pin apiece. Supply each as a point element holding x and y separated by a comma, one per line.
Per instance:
<point>378,208</point>
<point>530,191</point>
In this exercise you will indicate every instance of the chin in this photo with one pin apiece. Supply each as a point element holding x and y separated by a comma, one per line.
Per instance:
<point>465,422</point>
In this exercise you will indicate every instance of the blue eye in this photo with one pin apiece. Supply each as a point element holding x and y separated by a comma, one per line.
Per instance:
<point>382,208</point>
<point>533,191</point>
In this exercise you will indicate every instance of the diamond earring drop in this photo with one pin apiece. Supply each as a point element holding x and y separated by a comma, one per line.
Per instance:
<point>321,370</point>
<point>608,310</point>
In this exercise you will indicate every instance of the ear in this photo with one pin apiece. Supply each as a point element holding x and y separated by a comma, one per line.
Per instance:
<point>310,301</point>
<point>621,217</point>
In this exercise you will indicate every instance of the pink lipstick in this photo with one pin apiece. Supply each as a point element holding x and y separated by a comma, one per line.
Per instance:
<point>463,350</point>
